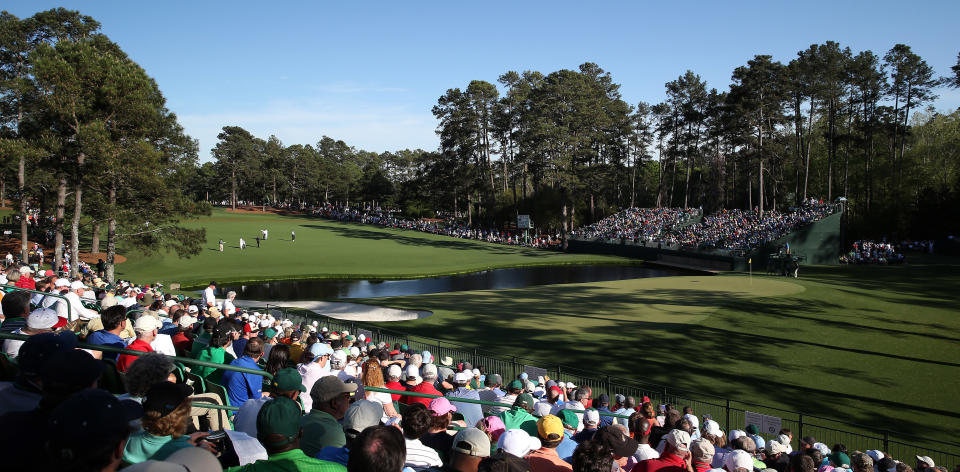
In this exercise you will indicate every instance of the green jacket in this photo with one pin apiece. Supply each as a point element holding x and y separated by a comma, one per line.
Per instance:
<point>518,418</point>
<point>291,461</point>
<point>320,429</point>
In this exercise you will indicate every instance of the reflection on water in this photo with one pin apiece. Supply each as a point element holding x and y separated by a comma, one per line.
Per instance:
<point>488,279</point>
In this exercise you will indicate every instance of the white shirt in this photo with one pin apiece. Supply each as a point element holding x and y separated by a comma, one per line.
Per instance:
<point>310,373</point>
<point>383,399</point>
<point>11,347</point>
<point>246,420</point>
<point>420,456</point>
<point>208,297</point>
<point>508,399</point>
<point>644,452</point>
<point>76,307</point>
<point>128,302</point>
<point>228,308</point>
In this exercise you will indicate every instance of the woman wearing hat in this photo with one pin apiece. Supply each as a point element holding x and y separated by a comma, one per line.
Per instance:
<point>166,413</point>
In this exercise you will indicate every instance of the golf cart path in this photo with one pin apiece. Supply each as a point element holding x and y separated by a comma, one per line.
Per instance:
<point>343,310</point>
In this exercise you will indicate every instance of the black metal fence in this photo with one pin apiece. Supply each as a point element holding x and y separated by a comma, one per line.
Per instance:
<point>730,414</point>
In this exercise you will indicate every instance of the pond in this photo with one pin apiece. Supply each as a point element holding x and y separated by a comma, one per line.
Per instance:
<point>483,280</point>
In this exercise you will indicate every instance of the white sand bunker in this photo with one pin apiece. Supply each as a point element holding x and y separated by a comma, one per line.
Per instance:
<point>344,310</point>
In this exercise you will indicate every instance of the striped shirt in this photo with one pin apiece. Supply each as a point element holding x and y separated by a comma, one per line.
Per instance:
<point>419,456</point>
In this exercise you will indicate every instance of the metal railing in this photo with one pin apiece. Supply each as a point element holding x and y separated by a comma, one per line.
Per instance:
<point>46,294</point>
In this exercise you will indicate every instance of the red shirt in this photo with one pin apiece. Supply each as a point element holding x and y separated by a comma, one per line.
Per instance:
<point>26,282</point>
<point>124,360</point>
<point>423,387</point>
<point>182,343</point>
<point>666,463</point>
<point>395,386</point>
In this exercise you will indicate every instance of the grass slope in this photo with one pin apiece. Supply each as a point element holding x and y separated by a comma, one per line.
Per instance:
<point>327,249</point>
<point>877,346</point>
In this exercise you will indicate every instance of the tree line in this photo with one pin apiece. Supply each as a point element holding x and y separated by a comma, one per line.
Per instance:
<point>87,135</point>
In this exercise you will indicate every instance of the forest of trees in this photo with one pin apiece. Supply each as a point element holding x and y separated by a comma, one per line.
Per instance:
<point>85,137</point>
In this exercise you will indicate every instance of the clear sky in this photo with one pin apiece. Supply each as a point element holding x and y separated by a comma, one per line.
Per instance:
<point>369,72</point>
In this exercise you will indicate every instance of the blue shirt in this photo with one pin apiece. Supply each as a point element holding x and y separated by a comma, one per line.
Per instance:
<point>106,338</point>
<point>239,345</point>
<point>340,455</point>
<point>566,447</point>
<point>604,420</point>
<point>242,387</point>
<point>472,413</point>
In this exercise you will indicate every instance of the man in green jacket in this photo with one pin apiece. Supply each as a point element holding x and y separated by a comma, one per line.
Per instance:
<point>520,417</point>
<point>331,399</point>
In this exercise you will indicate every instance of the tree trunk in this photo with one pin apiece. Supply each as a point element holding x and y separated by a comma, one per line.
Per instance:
<point>75,224</point>
<point>563,226</point>
<point>95,245</point>
<point>112,232</point>
<point>233,189</point>
<point>24,237</point>
<point>806,172</point>
<point>58,234</point>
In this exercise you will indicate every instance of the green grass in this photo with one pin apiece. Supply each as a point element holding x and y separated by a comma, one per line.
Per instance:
<point>327,249</point>
<point>878,346</point>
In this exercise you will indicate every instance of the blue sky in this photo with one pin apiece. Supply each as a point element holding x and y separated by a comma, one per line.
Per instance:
<point>369,72</point>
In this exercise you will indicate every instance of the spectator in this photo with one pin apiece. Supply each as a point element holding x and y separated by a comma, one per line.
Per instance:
<point>441,416</point>
<point>373,377</point>
<point>39,321</point>
<point>754,433</point>
<point>545,458</point>
<point>567,445</point>
<point>591,424</point>
<point>674,457</point>
<point>285,383</point>
<point>74,296</point>
<point>520,417</point>
<point>145,372</point>
<point>514,388</point>
<point>242,386</point>
<point>472,413</point>
<point>470,446</point>
<point>278,429</point>
<point>702,452</point>
<point>378,449</point>
<point>415,424</point>
<point>518,443</point>
<point>490,392</point>
<point>737,461</point>
<point>278,359</point>
<point>166,413</point>
<point>620,443</point>
<point>24,393</point>
<point>146,328</point>
<point>216,352</point>
<point>425,386</point>
<point>113,321</point>
<point>592,456</point>
<point>641,432</point>
<point>330,399</point>
<point>313,369</point>
<point>361,415</point>
<point>777,457</point>
<point>393,381</point>
<point>88,432</point>
<point>183,340</point>
<point>16,308</point>
<point>209,299</point>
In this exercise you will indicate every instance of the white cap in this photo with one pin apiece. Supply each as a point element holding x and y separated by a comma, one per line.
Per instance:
<point>592,416</point>
<point>339,357</point>
<point>461,377</point>
<point>412,372</point>
<point>541,409</point>
<point>926,460</point>
<point>61,283</point>
<point>774,447</point>
<point>146,323</point>
<point>394,371</point>
<point>315,324</point>
<point>712,428</point>
<point>344,333</point>
<point>26,270</point>
<point>42,318</point>
<point>187,321</point>
<point>265,324</point>
<point>737,459</point>
<point>76,284</point>
<point>429,370</point>
<point>694,421</point>
<point>518,442</point>
<point>354,351</point>
<point>571,385</point>
<point>169,303</point>
<point>734,434</point>
<point>192,309</point>
<point>362,337</point>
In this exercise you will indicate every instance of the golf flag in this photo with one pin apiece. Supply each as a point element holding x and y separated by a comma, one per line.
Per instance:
<point>750,261</point>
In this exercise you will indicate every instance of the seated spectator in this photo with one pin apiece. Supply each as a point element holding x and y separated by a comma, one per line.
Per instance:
<point>567,445</point>
<point>41,320</point>
<point>378,449</point>
<point>545,458</point>
<point>15,307</point>
<point>215,352</point>
<point>591,424</point>
<point>520,416</point>
<point>472,413</point>
<point>88,432</point>
<point>394,373</point>
<point>285,383</point>
<point>313,366</point>
<point>514,388</point>
<point>490,392</point>
<point>166,414</point>
<point>673,457</point>
<point>330,399</point>
<point>415,424</point>
<point>778,458</point>
<point>592,456</point>
<point>736,461</point>
<point>701,455</point>
<point>470,447</point>
<point>278,429</point>
<point>183,339</point>
<point>146,328</point>
<point>361,415</point>
<point>373,377</point>
<point>24,393</point>
<point>145,372</point>
<point>425,386</point>
<point>241,386</point>
<point>113,321</point>
<point>620,443</point>
<point>641,432</point>
<point>441,416</point>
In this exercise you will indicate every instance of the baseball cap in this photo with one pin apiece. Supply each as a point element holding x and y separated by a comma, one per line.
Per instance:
<point>679,439</point>
<point>37,349</point>
<point>440,406</point>
<point>60,283</point>
<point>146,323</point>
<point>88,417</point>
<point>752,429</point>
<point>603,398</point>
<point>515,384</point>
<point>164,397</point>
<point>591,416</point>
<point>72,370</point>
<point>518,442</point>
<point>550,428</point>
<point>734,434</point>
<point>328,387</point>
<point>279,417</point>
<point>341,357</point>
<point>774,447</point>
<point>737,459</point>
<point>192,309</point>
<point>193,459</point>
<point>810,441</point>
<point>702,450</point>
<point>472,442</point>
<point>446,361</point>
<point>395,371</point>
<point>76,284</point>
<point>542,409</point>
<point>841,459</point>
<point>618,441</point>
<point>287,380</point>
<point>269,333</point>
<point>187,321</point>
<point>524,400</point>
<point>876,455</point>
<point>361,415</point>
<point>925,459</point>
<point>319,349</point>
<point>42,318</point>
<point>461,377</point>
<point>26,270</point>
<point>429,370</point>
<point>569,418</point>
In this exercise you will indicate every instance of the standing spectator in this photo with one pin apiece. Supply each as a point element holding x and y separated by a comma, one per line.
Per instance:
<point>331,399</point>
<point>209,299</point>
<point>227,307</point>
<point>146,328</point>
<point>241,386</point>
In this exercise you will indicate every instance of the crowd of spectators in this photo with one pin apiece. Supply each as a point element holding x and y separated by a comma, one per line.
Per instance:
<point>447,226</point>
<point>322,408</point>
<point>872,252</point>
<point>736,229</point>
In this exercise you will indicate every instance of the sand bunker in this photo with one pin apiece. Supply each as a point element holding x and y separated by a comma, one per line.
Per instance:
<point>344,310</point>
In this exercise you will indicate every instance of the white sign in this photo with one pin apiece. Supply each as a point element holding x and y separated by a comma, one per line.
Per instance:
<point>523,222</point>
<point>751,418</point>
<point>765,423</point>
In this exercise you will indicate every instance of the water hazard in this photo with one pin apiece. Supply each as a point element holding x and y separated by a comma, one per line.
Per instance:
<point>484,280</point>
